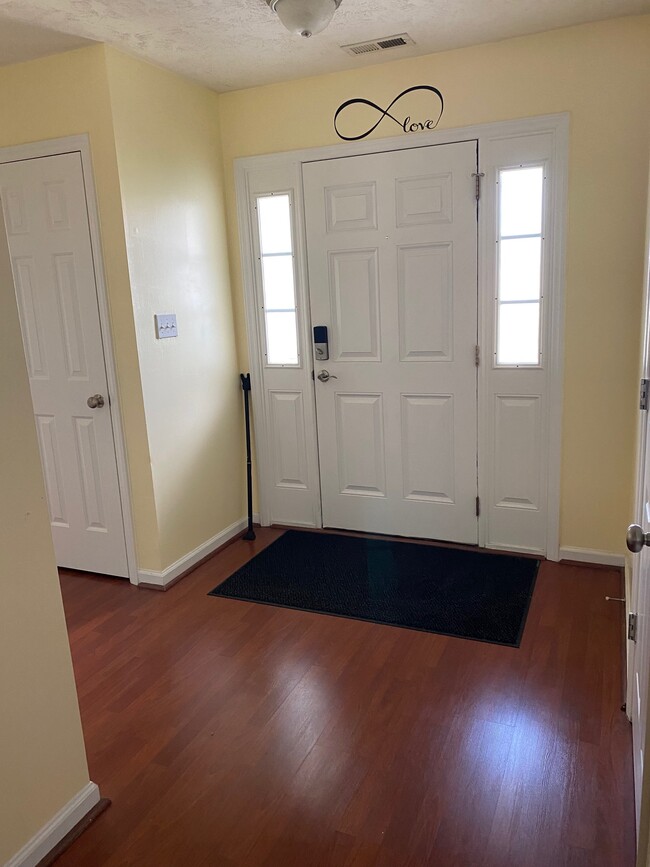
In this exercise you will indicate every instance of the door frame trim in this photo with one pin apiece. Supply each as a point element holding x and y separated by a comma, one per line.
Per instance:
<point>291,162</point>
<point>81,144</point>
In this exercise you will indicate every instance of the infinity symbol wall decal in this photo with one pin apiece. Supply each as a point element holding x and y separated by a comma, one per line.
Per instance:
<point>405,124</point>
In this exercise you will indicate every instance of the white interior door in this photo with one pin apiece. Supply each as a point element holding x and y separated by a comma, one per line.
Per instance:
<point>638,541</point>
<point>46,217</point>
<point>640,672</point>
<point>392,253</point>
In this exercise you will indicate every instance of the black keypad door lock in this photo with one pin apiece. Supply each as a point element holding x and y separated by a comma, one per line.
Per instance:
<point>321,343</point>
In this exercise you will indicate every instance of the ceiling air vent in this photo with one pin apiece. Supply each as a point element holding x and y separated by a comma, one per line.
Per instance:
<point>379,44</point>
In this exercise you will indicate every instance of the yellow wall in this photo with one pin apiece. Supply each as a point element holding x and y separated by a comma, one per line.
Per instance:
<point>155,147</point>
<point>600,73</point>
<point>169,159</point>
<point>67,95</point>
<point>42,756</point>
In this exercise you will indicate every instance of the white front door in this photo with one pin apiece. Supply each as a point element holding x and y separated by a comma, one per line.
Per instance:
<point>392,252</point>
<point>46,217</point>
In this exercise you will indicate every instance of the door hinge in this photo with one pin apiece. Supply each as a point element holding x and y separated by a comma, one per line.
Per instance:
<point>477,355</point>
<point>643,393</point>
<point>631,628</point>
<point>477,176</point>
<point>478,506</point>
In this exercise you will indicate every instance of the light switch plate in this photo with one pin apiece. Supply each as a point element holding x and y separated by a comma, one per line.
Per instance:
<point>165,325</point>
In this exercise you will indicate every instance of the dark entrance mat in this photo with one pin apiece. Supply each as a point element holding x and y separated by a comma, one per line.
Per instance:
<point>468,594</point>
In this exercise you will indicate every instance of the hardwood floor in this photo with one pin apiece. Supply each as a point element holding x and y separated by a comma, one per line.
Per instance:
<point>230,734</point>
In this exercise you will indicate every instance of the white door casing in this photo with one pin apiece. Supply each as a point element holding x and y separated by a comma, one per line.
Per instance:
<point>47,222</point>
<point>522,516</point>
<point>391,245</point>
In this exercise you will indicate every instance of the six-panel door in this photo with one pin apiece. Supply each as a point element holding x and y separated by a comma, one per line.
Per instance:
<point>46,219</point>
<point>392,249</point>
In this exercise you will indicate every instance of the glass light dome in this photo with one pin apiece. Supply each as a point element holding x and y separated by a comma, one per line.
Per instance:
<point>305,17</point>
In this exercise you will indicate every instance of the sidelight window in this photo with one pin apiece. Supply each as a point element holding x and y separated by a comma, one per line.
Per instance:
<point>278,279</point>
<point>520,242</point>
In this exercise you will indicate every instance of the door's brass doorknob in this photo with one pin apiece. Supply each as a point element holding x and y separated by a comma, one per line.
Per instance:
<point>95,401</point>
<point>636,539</point>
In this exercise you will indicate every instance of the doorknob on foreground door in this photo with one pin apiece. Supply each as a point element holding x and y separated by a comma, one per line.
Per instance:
<point>636,538</point>
<point>95,401</point>
<point>324,375</point>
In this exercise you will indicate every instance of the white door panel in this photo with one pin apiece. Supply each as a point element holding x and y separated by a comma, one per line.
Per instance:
<point>426,419</point>
<point>424,284</point>
<point>288,425</point>
<point>47,226</point>
<point>391,242</point>
<point>354,291</point>
<point>518,440</point>
<point>359,444</point>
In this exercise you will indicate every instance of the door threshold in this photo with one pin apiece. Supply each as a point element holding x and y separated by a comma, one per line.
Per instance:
<point>438,543</point>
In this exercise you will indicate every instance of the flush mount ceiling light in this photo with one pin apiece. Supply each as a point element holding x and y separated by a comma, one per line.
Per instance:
<point>305,17</point>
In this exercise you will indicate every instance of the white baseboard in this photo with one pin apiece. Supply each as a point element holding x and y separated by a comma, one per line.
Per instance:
<point>588,555</point>
<point>56,829</point>
<point>171,573</point>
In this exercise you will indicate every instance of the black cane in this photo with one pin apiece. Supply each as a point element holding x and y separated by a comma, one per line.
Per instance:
<point>246,386</point>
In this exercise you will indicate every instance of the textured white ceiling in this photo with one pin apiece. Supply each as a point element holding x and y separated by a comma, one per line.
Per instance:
<point>19,42</point>
<point>231,44</point>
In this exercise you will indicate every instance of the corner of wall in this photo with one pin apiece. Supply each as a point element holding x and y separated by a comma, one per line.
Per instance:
<point>168,151</point>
